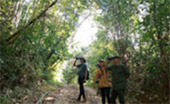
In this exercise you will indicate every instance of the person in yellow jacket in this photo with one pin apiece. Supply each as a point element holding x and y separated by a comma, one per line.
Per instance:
<point>102,78</point>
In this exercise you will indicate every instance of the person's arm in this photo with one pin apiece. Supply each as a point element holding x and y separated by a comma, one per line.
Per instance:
<point>75,63</point>
<point>95,78</point>
<point>106,66</point>
<point>107,62</point>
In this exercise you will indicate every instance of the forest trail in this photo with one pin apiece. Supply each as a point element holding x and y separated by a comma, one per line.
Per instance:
<point>66,94</point>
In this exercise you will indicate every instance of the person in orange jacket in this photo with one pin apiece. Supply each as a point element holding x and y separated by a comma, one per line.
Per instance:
<point>102,78</point>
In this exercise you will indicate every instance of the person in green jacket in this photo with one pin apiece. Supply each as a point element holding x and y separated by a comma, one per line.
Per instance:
<point>82,77</point>
<point>119,76</point>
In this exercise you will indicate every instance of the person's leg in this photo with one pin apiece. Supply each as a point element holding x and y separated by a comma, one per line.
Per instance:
<point>108,94</point>
<point>82,91</point>
<point>103,95</point>
<point>79,97</point>
<point>121,95</point>
<point>114,96</point>
<point>79,81</point>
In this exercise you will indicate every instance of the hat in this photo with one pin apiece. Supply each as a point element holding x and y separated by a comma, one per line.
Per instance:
<point>116,57</point>
<point>82,58</point>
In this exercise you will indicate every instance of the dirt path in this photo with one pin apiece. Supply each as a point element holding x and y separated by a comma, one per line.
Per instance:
<point>65,94</point>
<point>68,94</point>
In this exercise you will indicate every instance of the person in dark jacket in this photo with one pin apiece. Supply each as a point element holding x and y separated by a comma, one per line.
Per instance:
<point>82,77</point>
<point>119,75</point>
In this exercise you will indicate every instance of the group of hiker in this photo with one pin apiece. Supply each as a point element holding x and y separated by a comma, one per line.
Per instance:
<point>110,79</point>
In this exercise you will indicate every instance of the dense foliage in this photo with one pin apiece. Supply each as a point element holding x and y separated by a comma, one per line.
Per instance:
<point>34,40</point>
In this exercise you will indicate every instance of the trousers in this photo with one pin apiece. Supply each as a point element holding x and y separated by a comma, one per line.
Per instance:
<point>118,93</point>
<point>81,88</point>
<point>105,93</point>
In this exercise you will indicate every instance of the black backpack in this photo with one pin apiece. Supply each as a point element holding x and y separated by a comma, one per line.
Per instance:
<point>88,74</point>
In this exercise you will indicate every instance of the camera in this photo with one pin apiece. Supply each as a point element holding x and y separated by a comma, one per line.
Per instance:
<point>78,58</point>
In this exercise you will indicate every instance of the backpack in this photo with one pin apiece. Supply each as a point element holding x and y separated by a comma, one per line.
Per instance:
<point>88,75</point>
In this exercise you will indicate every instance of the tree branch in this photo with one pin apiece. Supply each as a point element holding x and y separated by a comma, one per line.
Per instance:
<point>16,35</point>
